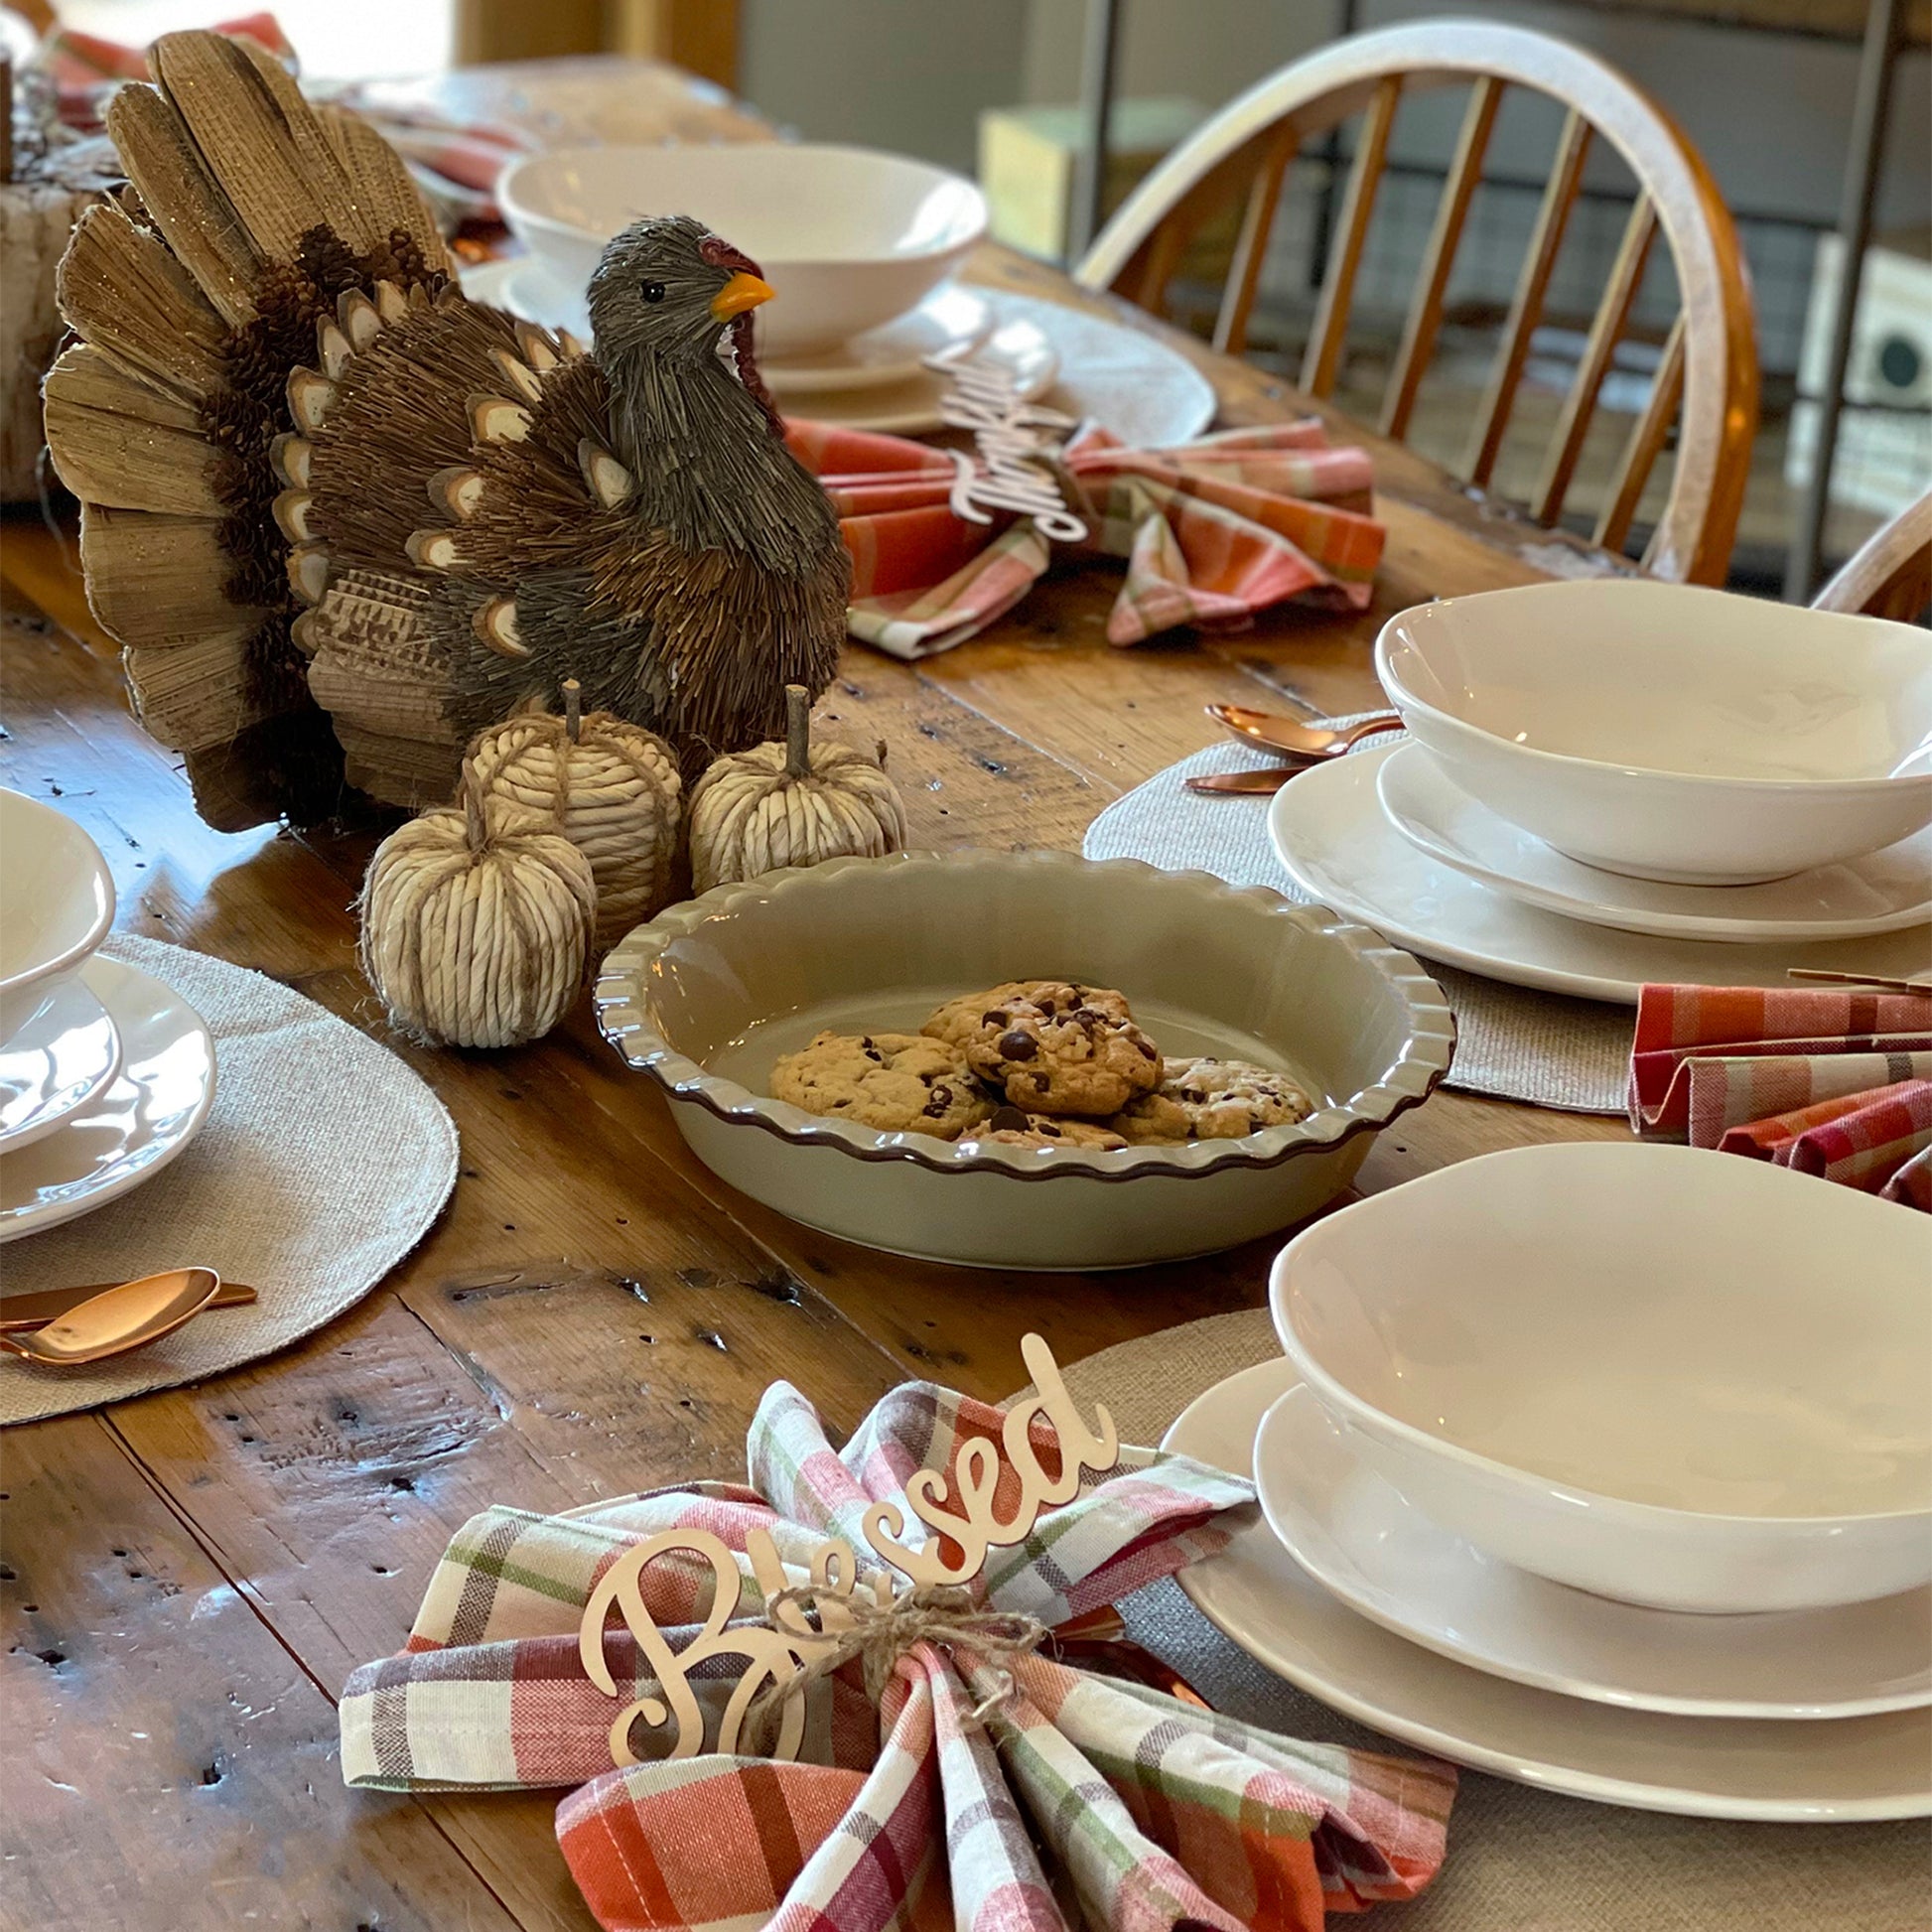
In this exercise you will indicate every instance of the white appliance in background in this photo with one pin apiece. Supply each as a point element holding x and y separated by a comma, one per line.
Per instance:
<point>1885,434</point>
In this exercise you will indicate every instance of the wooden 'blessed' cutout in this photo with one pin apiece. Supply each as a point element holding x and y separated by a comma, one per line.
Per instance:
<point>961,1511</point>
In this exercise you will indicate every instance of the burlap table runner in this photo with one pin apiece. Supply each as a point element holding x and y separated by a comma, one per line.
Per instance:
<point>323,1163</point>
<point>1519,1859</point>
<point>1571,1055</point>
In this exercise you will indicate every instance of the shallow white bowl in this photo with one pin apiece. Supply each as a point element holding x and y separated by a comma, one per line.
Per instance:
<point>706,996</point>
<point>57,903</point>
<point>1668,1375</point>
<point>1670,732</point>
<point>848,238</point>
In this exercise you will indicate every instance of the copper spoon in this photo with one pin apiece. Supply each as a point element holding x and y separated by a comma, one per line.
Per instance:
<point>122,1318</point>
<point>1258,783</point>
<point>1280,734</point>
<point>20,1313</point>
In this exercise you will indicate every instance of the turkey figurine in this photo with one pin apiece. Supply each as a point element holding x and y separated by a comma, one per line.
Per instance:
<point>340,517</point>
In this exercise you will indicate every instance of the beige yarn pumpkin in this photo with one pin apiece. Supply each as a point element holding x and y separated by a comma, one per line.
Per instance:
<point>476,938</point>
<point>790,804</point>
<point>610,787</point>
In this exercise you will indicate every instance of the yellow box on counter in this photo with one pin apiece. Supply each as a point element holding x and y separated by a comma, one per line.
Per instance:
<point>1029,161</point>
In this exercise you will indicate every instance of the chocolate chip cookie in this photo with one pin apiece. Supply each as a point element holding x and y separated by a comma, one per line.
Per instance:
<point>1211,1100</point>
<point>1009,1127</point>
<point>1052,1046</point>
<point>900,1083</point>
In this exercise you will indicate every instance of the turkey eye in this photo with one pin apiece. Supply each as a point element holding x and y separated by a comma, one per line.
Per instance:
<point>652,291</point>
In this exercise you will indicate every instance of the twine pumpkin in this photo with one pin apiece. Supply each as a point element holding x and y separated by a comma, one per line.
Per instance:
<point>610,787</point>
<point>790,804</point>
<point>476,938</point>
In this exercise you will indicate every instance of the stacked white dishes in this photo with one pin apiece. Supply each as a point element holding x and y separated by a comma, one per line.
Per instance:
<point>105,1075</point>
<point>1611,781</point>
<point>1607,1468</point>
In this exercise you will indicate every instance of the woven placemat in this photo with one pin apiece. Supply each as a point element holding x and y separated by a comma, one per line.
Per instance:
<point>1519,1859</point>
<point>323,1163</point>
<point>1521,1044</point>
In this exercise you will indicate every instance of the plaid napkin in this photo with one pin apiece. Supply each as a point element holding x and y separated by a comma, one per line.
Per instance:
<point>1154,1813</point>
<point>1211,531</point>
<point>1828,1081</point>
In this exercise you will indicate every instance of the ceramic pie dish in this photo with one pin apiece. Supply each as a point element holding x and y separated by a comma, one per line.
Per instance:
<point>705,997</point>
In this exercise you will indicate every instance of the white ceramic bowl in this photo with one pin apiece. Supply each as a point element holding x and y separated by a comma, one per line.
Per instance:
<point>1670,732</point>
<point>848,238</point>
<point>710,993</point>
<point>1668,1375</point>
<point>57,903</point>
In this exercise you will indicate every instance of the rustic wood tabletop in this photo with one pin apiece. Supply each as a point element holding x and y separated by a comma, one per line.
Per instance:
<point>189,1578</point>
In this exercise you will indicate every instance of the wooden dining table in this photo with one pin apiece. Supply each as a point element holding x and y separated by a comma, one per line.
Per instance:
<point>190,1576</point>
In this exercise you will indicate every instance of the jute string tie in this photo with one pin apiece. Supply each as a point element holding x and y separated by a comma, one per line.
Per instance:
<point>946,1615</point>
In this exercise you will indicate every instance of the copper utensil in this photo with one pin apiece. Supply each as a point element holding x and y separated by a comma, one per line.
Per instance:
<point>1816,976</point>
<point>1288,734</point>
<point>20,1313</point>
<point>119,1319</point>
<point>1246,784</point>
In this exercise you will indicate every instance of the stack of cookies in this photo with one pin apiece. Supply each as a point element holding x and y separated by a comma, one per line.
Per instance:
<point>1035,1064</point>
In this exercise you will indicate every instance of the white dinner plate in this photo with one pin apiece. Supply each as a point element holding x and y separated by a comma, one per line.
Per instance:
<point>1329,829</point>
<point>142,1121</point>
<point>55,1064</point>
<point>1382,1556</point>
<point>1127,380</point>
<point>1834,1771</point>
<point>1885,892</point>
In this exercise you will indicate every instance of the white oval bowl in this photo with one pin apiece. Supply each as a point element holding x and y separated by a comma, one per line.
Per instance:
<point>57,903</point>
<point>1670,732</point>
<point>707,995</point>
<point>1668,1375</point>
<point>848,238</point>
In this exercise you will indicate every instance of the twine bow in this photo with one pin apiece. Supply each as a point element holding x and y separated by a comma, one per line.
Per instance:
<point>946,1615</point>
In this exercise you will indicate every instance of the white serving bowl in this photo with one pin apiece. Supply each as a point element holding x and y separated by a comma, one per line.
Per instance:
<point>57,903</point>
<point>848,238</point>
<point>1670,732</point>
<point>706,996</point>
<point>1664,1374</point>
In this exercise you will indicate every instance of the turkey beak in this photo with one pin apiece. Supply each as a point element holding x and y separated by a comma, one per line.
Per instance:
<point>741,292</point>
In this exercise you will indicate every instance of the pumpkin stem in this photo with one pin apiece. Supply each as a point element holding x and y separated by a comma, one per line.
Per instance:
<point>798,731</point>
<point>573,708</point>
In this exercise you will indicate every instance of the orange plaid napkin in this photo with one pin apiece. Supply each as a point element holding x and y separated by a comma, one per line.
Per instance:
<point>1211,531</point>
<point>1826,1081</point>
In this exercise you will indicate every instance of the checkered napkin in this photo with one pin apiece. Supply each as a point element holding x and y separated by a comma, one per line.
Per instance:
<point>1151,1813</point>
<point>1827,1081</point>
<point>1211,531</point>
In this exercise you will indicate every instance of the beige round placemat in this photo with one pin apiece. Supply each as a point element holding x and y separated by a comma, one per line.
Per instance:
<point>1519,1859</point>
<point>323,1163</point>
<point>1554,1052</point>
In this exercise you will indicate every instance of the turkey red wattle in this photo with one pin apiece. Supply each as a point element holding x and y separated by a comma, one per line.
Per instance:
<point>721,254</point>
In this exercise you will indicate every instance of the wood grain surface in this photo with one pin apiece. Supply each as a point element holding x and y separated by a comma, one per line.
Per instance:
<point>188,1577</point>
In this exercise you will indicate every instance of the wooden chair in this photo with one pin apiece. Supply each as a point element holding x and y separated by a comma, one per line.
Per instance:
<point>1891,575</point>
<point>1709,360</point>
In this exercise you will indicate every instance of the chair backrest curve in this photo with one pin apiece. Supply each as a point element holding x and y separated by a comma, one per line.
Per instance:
<point>1714,354</point>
